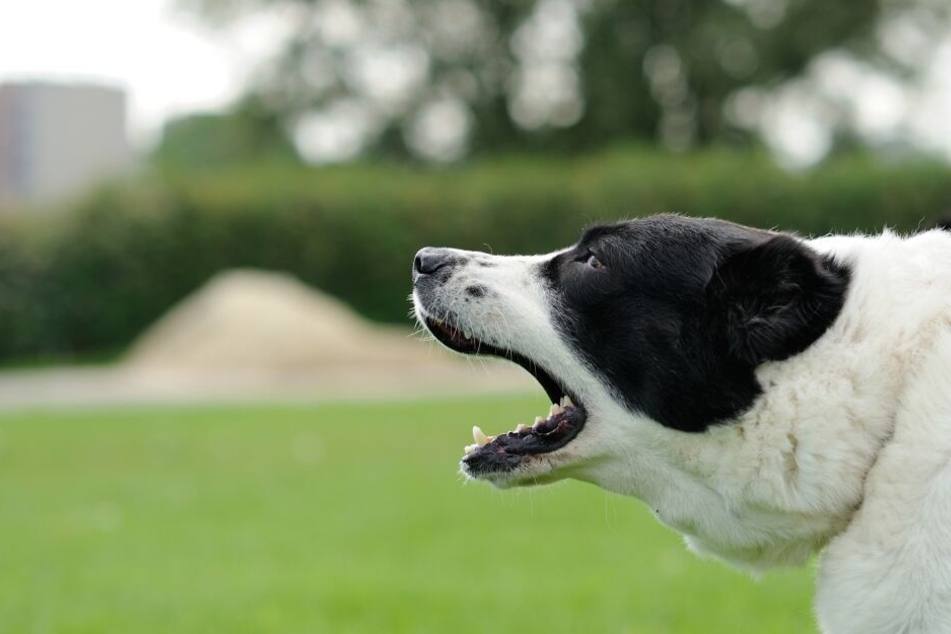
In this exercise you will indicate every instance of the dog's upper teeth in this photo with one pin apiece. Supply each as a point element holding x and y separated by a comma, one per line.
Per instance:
<point>479,436</point>
<point>555,409</point>
<point>566,401</point>
<point>467,334</point>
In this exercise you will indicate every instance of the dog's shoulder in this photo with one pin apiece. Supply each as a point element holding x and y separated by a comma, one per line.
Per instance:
<point>880,574</point>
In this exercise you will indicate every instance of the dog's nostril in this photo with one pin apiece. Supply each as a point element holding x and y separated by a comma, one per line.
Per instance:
<point>430,260</point>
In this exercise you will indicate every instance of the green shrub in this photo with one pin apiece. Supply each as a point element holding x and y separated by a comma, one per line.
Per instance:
<point>96,278</point>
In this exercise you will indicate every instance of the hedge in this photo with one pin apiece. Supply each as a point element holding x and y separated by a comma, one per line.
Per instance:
<point>93,277</point>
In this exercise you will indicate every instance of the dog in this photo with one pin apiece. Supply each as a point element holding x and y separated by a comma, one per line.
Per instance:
<point>767,396</point>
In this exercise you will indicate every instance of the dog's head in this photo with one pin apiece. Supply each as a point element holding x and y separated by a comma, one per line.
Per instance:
<point>647,327</point>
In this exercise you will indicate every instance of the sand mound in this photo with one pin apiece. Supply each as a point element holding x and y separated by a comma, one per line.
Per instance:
<point>246,320</point>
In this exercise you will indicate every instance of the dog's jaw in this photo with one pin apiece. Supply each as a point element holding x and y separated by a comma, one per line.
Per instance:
<point>509,317</point>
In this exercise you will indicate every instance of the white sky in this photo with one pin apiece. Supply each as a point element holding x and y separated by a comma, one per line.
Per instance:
<point>167,62</point>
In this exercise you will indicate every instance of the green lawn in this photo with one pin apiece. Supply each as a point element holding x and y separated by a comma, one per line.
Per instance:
<point>337,519</point>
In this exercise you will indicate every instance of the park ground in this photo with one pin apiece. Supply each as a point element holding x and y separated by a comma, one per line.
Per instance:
<point>338,518</point>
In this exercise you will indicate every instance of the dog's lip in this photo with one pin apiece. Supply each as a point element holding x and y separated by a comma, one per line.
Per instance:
<point>463,342</point>
<point>495,454</point>
<point>505,451</point>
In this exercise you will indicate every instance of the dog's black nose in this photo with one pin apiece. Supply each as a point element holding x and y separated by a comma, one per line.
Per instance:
<point>428,260</point>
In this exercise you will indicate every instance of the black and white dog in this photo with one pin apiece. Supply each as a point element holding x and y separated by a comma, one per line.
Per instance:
<point>766,396</point>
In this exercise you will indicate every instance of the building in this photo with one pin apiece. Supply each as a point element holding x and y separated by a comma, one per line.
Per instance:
<point>58,140</point>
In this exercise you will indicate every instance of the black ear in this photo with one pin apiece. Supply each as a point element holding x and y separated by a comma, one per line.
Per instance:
<point>774,298</point>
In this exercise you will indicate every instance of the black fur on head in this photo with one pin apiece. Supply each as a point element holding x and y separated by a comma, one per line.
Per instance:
<point>676,313</point>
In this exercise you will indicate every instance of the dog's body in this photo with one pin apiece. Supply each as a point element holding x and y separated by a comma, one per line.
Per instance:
<point>767,397</point>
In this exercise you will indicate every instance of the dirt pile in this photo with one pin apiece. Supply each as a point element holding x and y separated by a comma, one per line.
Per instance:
<point>245,320</point>
<point>254,336</point>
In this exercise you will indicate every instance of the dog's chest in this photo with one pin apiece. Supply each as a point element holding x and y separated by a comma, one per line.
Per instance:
<point>742,529</point>
<point>776,485</point>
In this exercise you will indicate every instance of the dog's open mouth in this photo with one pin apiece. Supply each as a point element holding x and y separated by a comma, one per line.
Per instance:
<point>505,452</point>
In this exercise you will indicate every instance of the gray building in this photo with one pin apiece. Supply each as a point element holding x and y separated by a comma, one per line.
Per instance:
<point>58,140</point>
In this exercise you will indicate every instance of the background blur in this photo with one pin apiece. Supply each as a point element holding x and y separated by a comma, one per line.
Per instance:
<point>214,414</point>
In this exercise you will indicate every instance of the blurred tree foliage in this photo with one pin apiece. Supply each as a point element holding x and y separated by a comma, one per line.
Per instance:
<point>214,140</point>
<point>94,279</point>
<point>552,74</point>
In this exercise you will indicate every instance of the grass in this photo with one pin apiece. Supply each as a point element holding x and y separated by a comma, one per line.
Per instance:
<point>339,519</point>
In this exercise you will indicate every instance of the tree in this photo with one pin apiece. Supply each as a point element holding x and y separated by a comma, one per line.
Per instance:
<point>442,78</point>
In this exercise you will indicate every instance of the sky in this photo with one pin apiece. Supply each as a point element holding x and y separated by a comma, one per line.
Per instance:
<point>167,62</point>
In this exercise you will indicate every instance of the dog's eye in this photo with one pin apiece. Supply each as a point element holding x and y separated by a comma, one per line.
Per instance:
<point>594,262</point>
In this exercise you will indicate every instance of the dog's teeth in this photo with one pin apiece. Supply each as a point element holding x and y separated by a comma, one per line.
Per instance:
<point>566,401</point>
<point>467,334</point>
<point>555,409</point>
<point>479,436</point>
<point>471,448</point>
<point>521,428</point>
<point>538,421</point>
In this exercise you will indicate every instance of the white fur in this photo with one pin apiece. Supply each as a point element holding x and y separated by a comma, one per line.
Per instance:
<point>848,449</point>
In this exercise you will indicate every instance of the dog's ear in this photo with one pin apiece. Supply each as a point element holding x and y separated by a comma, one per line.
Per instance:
<point>774,297</point>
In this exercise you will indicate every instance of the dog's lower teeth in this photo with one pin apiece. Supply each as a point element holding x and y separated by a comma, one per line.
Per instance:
<point>521,428</point>
<point>538,421</point>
